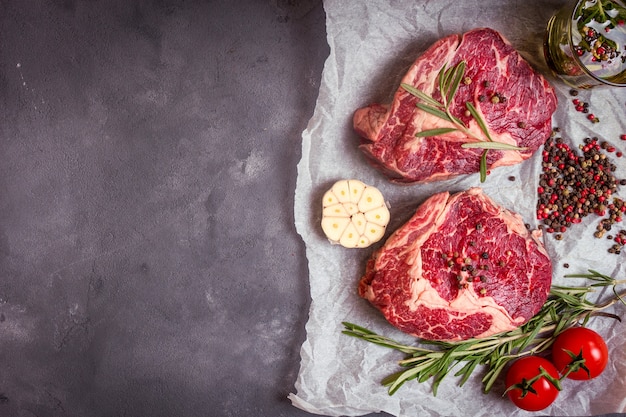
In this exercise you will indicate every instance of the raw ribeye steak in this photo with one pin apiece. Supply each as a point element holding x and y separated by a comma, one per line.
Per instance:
<point>515,102</point>
<point>462,267</point>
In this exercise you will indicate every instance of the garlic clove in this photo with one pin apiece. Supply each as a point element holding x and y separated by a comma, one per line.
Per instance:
<point>334,227</point>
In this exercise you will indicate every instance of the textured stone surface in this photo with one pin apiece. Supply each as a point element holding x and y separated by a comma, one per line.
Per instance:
<point>149,265</point>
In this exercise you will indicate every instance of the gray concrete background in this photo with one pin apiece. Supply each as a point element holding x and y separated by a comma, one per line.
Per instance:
<point>149,264</point>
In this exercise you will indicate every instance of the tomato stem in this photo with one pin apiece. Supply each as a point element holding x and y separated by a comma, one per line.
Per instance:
<point>578,362</point>
<point>526,385</point>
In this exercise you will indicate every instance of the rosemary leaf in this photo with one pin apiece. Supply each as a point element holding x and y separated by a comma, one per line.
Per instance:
<point>434,111</point>
<point>401,378</point>
<point>592,275</point>
<point>437,379</point>
<point>483,166</point>
<point>422,96</point>
<point>362,333</point>
<point>390,379</point>
<point>467,370</point>
<point>456,77</point>
<point>479,120</point>
<point>435,132</point>
<point>445,77</point>
<point>619,296</point>
<point>492,376</point>
<point>566,297</point>
<point>552,312</point>
<point>532,335</point>
<point>491,145</point>
<point>354,327</point>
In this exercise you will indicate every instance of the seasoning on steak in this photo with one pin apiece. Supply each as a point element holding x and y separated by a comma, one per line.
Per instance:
<point>462,267</point>
<point>515,102</point>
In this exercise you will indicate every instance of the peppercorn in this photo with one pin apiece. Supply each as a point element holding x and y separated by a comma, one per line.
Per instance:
<point>593,118</point>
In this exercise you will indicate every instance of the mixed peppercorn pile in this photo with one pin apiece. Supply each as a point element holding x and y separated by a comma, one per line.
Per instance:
<point>574,184</point>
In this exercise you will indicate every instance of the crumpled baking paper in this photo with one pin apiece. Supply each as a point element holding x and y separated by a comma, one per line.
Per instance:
<point>372,44</point>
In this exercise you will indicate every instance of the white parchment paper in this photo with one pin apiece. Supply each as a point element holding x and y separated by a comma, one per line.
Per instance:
<point>372,43</point>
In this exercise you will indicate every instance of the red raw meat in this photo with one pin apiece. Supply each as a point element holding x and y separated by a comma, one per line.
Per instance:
<point>521,116</point>
<point>462,267</point>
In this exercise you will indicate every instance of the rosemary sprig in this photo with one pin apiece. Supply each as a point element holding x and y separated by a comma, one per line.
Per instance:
<point>449,80</point>
<point>565,307</point>
<point>597,10</point>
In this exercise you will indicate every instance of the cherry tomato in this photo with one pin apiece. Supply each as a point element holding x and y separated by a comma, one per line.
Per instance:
<point>584,349</point>
<point>528,387</point>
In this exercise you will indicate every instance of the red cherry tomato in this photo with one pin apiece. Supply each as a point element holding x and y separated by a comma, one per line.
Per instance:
<point>527,387</point>
<point>584,349</point>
